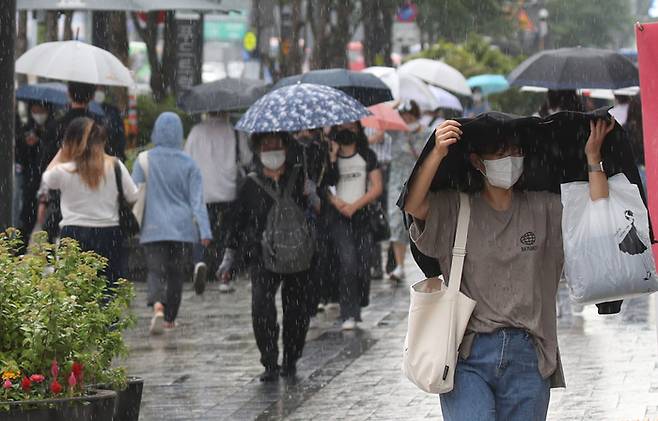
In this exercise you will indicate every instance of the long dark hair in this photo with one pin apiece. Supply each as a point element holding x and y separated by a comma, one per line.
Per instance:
<point>84,144</point>
<point>633,127</point>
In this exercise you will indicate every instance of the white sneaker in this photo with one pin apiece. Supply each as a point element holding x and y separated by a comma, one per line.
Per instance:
<point>398,274</point>
<point>226,287</point>
<point>331,306</point>
<point>349,324</point>
<point>157,324</point>
<point>200,276</point>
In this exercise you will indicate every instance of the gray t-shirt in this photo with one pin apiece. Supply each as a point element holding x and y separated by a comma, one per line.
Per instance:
<point>513,265</point>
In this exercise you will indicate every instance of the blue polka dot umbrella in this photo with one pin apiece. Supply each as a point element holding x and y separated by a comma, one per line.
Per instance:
<point>299,107</point>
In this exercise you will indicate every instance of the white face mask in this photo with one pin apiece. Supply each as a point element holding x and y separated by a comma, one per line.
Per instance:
<point>426,119</point>
<point>99,97</point>
<point>503,172</point>
<point>40,118</point>
<point>414,126</point>
<point>477,97</point>
<point>273,160</point>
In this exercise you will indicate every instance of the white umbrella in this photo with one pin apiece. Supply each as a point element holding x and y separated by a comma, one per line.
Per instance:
<point>412,88</point>
<point>388,75</point>
<point>437,73</point>
<point>74,61</point>
<point>446,99</point>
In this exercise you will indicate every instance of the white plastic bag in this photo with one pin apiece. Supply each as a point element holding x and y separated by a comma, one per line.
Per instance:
<point>607,251</point>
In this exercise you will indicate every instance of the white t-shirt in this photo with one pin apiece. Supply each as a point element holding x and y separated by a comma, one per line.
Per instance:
<point>353,175</point>
<point>85,207</point>
<point>211,144</point>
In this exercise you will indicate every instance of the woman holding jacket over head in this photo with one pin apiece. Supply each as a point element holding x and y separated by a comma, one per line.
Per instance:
<point>509,357</point>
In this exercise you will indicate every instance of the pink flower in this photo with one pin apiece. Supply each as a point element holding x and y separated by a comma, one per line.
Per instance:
<point>54,369</point>
<point>37,378</point>
<point>55,387</point>
<point>7,384</point>
<point>72,380</point>
<point>26,384</point>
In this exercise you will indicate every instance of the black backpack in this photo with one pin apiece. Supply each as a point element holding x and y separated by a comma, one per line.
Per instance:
<point>287,241</point>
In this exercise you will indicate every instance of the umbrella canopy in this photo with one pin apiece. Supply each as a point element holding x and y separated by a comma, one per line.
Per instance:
<point>388,75</point>
<point>300,107</point>
<point>51,93</point>
<point>364,87</point>
<point>437,73</point>
<point>488,84</point>
<point>383,118</point>
<point>227,94</point>
<point>74,61</point>
<point>576,68</point>
<point>445,99</point>
<point>414,89</point>
<point>128,5</point>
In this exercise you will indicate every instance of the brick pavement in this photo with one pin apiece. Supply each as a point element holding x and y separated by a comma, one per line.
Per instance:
<point>207,369</point>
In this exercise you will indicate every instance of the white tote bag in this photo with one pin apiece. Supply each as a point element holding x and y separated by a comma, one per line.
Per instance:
<point>607,250</point>
<point>140,204</point>
<point>438,316</point>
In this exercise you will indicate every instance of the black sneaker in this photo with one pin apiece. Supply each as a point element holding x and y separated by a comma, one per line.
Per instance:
<point>270,374</point>
<point>200,277</point>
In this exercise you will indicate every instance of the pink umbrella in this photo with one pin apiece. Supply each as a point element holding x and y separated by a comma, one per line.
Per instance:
<point>383,118</point>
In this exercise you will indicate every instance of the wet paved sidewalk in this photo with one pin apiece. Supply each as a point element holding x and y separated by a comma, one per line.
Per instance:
<point>207,368</point>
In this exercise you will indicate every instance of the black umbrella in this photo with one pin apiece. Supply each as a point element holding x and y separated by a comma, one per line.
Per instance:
<point>576,68</point>
<point>366,88</point>
<point>227,94</point>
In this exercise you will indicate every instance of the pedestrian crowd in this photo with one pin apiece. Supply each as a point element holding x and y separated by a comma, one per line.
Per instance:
<point>293,211</point>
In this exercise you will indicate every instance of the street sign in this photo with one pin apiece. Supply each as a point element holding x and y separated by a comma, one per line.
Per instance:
<point>224,30</point>
<point>250,41</point>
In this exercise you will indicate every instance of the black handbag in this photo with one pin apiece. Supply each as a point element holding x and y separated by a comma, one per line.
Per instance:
<point>127,220</point>
<point>378,221</point>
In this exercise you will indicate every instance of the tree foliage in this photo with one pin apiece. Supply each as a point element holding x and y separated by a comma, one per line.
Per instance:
<point>453,20</point>
<point>588,23</point>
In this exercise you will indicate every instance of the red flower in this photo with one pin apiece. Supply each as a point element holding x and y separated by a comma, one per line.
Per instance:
<point>54,369</point>
<point>76,369</point>
<point>55,387</point>
<point>72,380</point>
<point>26,384</point>
<point>7,384</point>
<point>37,378</point>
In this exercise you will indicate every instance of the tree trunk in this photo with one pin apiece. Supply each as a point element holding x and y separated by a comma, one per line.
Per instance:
<point>119,47</point>
<point>51,26</point>
<point>68,22</point>
<point>149,35</point>
<point>169,53</point>
<point>291,54</point>
<point>21,43</point>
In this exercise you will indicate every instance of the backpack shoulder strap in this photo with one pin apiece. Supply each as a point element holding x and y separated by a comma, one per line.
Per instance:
<point>292,179</point>
<point>268,189</point>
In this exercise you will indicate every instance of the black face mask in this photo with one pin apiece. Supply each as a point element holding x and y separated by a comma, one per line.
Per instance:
<point>345,137</point>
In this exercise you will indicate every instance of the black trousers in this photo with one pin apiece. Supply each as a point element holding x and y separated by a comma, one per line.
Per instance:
<point>28,214</point>
<point>106,241</point>
<point>169,264</point>
<point>323,282</point>
<point>294,296</point>
<point>219,215</point>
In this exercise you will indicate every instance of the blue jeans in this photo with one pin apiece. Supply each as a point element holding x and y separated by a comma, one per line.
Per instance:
<point>498,381</point>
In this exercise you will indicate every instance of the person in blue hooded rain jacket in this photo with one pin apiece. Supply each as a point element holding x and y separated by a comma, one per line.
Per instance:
<point>175,217</point>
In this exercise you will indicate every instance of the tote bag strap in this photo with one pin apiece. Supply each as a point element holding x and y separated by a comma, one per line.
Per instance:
<point>459,249</point>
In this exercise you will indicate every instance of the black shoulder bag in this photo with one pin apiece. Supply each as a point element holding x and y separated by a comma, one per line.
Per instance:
<point>127,220</point>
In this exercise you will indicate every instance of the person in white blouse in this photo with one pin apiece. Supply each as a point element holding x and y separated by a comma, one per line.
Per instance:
<point>85,175</point>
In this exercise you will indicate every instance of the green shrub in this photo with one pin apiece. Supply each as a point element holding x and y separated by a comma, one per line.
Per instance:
<point>58,329</point>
